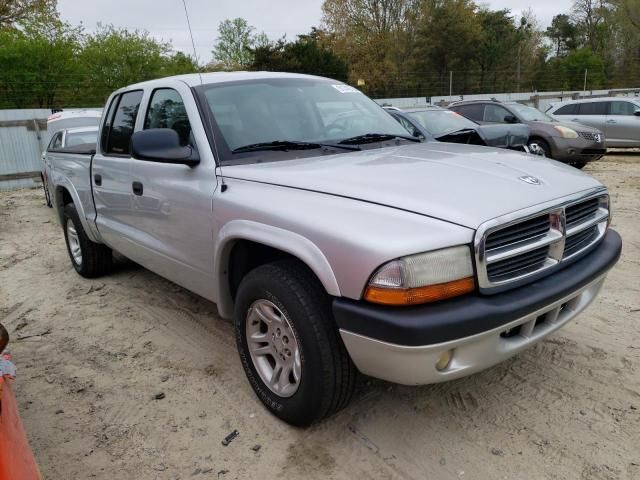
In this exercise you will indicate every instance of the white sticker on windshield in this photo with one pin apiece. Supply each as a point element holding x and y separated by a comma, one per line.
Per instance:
<point>345,88</point>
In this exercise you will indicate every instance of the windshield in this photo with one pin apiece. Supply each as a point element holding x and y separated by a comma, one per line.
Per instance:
<point>439,122</point>
<point>264,111</point>
<point>530,114</point>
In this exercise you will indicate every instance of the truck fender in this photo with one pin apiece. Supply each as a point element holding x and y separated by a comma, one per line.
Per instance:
<point>297,245</point>
<point>62,184</point>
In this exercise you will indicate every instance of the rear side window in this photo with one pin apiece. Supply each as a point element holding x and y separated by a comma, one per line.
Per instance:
<point>166,110</point>
<point>566,110</point>
<point>592,108</point>
<point>622,108</point>
<point>56,141</point>
<point>123,123</point>
<point>104,134</point>
<point>474,112</point>
<point>495,114</point>
<point>81,138</point>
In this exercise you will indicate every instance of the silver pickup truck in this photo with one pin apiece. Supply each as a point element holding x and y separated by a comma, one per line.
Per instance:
<point>334,241</point>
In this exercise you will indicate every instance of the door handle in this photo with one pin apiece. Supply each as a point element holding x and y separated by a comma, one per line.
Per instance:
<point>97,178</point>
<point>137,188</point>
<point>611,121</point>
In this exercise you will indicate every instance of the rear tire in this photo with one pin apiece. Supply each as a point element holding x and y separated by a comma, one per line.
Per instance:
<point>288,295</point>
<point>88,258</point>
<point>45,186</point>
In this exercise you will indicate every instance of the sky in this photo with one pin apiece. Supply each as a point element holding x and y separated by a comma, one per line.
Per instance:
<point>165,19</point>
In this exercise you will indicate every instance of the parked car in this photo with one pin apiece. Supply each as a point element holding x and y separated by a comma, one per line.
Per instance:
<point>16,457</point>
<point>442,125</point>
<point>77,139</point>
<point>617,117</point>
<point>334,241</point>
<point>567,142</point>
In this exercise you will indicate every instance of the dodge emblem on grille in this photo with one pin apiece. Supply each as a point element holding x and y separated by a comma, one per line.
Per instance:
<point>530,180</point>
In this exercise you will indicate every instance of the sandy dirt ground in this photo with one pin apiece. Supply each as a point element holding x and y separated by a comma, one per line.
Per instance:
<point>568,408</point>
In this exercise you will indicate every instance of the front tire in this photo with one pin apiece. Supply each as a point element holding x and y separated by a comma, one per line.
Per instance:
<point>289,344</point>
<point>539,144</point>
<point>88,258</point>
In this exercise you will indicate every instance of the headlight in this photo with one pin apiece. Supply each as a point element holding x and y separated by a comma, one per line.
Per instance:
<point>422,278</point>
<point>566,132</point>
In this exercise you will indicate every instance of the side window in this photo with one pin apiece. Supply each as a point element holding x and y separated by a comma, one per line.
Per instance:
<point>166,110</point>
<point>104,135</point>
<point>495,113</point>
<point>474,112</point>
<point>566,110</point>
<point>56,141</point>
<point>408,126</point>
<point>124,121</point>
<point>592,108</point>
<point>622,108</point>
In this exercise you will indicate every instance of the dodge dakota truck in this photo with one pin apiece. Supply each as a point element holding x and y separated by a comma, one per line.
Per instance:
<point>333,241</point>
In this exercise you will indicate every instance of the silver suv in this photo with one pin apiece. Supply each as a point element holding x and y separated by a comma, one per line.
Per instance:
<point>618,118</point>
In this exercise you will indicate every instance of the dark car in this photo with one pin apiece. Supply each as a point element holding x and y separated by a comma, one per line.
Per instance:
<point>567,142</point>
<point>438,124</point>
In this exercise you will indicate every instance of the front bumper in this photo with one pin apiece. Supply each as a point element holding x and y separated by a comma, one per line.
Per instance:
<point>403,345</point>
<point>577,150</point>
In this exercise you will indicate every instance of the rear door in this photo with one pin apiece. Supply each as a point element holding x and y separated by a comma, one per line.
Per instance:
<point>111,173</point>
<point>172,206</point>
<point>622,126</point>
<point>593,114</point>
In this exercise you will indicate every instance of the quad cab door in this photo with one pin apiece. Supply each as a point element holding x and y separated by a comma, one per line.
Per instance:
<point>172,203</point>
<point>111,173</point>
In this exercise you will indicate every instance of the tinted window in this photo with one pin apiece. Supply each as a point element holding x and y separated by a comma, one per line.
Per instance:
<point>166,110</point>
<point>104,134</point>
<point>592,108</point>
<point>123,123</point>
<point>495,113</point>
<point>530,114</point>
<point>566,110</point>
<point>56,141</point>
<point>622,108</point>
<point>474,112</point>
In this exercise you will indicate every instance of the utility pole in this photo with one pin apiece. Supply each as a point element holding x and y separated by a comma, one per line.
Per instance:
<point>584,88</point>
<point>450,85</point>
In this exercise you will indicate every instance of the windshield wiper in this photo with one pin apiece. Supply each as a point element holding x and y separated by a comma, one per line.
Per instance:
<point>288,145</point>
<point>375,137</point>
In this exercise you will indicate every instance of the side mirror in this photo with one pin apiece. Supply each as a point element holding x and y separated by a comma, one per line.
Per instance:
<point>162,145</point>
<point>510,119</point>
<point>637,113</point>
<point>4,338</point>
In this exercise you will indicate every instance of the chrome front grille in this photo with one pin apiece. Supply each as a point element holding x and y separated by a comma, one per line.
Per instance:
<point>511,251</point>
<point>594,137</point>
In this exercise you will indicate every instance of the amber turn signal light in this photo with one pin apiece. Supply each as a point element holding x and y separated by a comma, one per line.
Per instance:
<point>415,296</point>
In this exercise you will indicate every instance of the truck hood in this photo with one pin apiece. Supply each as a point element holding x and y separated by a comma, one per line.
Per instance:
<point>462,184</point>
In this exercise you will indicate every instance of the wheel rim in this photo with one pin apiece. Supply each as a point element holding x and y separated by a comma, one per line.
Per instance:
<point>537,149</point>
<point>74,242</point>
<point>273,348</point>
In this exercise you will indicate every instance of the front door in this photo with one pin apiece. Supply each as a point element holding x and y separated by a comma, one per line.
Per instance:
<point>172,205</point>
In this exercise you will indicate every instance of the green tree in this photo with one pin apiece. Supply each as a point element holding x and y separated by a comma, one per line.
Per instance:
<point>563,33</point>
<point>305,55</point>
<point>38,64</point>
<point>233,47</point>
<point>16,11</point>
